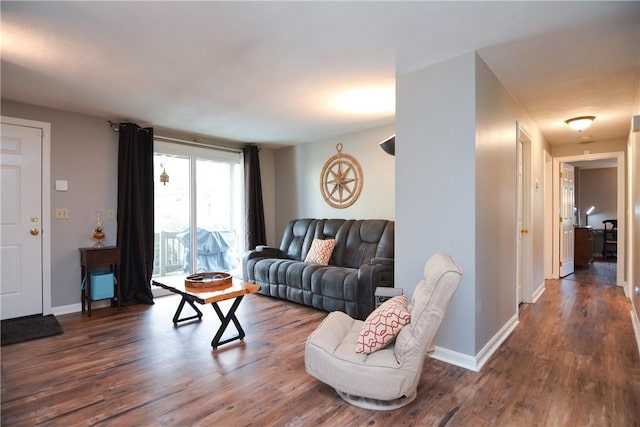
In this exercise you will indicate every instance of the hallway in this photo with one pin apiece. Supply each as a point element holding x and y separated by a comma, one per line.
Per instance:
<point>572,360</point>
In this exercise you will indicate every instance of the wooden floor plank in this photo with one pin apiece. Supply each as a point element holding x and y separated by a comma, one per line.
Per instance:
<point>572,360</point>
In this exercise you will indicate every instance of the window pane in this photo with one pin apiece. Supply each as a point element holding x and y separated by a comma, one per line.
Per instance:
<point>171,215</point>
<point>198,213</point>
<point>215,210</point>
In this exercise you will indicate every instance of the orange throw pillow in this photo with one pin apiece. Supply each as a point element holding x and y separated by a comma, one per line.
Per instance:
<point>383,325</point>
<point>320,252</point>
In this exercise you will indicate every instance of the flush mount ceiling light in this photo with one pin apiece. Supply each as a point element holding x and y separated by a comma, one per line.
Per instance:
<point>365,101</point>
<point>580,123</point>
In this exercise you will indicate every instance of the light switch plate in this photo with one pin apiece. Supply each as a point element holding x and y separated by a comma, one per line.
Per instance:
<point>62,213</point>
<point>62,185</point>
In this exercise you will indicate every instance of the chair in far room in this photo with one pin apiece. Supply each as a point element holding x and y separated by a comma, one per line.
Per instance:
<point>610,238</point>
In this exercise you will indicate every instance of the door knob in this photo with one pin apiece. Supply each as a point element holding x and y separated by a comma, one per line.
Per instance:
<point>524,230</point>
<point>34,231</point>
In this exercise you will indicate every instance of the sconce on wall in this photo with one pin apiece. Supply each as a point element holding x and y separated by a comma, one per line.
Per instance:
<point>580,123</point>
<point>389,145</point>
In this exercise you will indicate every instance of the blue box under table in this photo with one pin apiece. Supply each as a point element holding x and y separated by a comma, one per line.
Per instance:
<point>102,285</point>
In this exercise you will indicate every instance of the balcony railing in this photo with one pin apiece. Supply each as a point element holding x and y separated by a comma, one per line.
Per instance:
<point>168,254</point>
<point>215,252</point>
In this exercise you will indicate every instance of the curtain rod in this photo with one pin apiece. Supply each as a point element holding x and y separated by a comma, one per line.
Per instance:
<point>198,144</point>
<point>115,126</point>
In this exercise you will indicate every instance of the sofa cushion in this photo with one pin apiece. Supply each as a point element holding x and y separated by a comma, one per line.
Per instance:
<point>360,241</point>
<point>320,252</point>
<point>383,325</point>
<point>297,238</point>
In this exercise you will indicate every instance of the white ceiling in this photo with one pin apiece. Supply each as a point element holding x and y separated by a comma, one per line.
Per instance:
<point>266,72</point>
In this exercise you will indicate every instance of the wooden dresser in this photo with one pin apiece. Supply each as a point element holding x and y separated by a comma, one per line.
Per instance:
<point>583,249</point>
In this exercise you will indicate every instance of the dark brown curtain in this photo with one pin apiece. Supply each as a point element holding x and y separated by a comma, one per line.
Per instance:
<point>254,221</point>
<point>135,213</point>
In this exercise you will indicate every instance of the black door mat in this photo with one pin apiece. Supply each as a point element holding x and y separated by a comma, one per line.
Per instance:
<point>29,328</point>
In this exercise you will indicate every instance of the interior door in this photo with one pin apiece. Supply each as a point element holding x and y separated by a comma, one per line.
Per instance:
<point>520,227</point>
<point>20,221</point>
<point>567,205</point>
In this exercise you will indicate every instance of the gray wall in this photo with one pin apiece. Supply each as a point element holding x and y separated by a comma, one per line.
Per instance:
<point>598,187</point>
<point>496,215</point>
<point>84,151</point>
<point>298,171</point>
<point>497,113</point>
<point>435,184</point>
<point>456,192</point>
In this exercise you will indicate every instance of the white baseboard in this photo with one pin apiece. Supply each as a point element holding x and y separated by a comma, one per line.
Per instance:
<point>538,293</point>
<point>75,308</point>
<point>455,358</point>
<point>636,327</point>
<point>476,363</point>
<point>495,342</point>
<point>626,291</point>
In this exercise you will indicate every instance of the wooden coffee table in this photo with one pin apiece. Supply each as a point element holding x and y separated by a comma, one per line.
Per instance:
<point>190,295</point>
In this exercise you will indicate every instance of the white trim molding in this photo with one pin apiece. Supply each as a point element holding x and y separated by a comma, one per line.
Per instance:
<point>476,363</point>
<point>77,308</point>
<point>636,328</point>
<point>455,358</point>
<point>537,293</point>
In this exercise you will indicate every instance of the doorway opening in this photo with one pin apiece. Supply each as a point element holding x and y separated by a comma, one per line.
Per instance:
<point>580,218</point>
<point>198,223</point>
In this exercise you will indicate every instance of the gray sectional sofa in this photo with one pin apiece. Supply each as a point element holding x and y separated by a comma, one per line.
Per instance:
<point>363,259</point>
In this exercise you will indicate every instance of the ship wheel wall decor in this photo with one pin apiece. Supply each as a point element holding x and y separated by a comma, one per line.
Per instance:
<point>341,180</point>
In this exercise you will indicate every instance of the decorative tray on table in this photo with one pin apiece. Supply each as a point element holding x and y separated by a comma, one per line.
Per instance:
<point>209,281</point>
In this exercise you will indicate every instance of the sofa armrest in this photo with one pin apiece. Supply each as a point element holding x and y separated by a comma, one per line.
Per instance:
<point>258,252</point>
<point>262,251</point>
<point>377,273</point>
<point>383,261</point>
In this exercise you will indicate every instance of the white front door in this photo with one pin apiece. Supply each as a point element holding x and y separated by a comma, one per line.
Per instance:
<point>21,251</point>
<point>567,214</point>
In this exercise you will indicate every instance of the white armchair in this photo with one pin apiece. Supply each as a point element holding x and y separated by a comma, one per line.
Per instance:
<point>387,378</point>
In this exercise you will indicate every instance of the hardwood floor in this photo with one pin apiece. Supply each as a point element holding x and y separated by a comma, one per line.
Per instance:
<point>572,361</point>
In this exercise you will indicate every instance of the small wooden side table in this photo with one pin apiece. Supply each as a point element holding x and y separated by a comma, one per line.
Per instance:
<point>94,258</point>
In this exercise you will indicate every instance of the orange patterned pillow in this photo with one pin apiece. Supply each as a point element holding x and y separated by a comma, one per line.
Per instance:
<point>320,252</point>
<point>383,325</point>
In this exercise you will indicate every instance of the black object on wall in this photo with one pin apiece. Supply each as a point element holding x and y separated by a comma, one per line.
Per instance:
<point>389,145</point>
<point>254,209</point>
<point>135,213</point>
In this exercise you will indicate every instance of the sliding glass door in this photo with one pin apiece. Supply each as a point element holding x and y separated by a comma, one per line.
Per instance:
<point>198,210</point>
